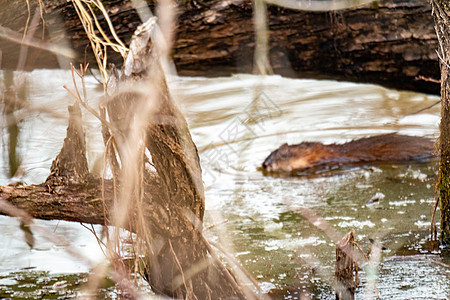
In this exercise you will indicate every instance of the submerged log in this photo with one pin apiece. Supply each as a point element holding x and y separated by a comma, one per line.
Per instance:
<point>391,42</point>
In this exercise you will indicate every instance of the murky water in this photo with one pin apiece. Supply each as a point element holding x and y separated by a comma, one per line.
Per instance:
<point>236,122</point>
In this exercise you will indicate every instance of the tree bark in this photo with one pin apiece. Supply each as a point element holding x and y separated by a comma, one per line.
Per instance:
<point>164,207</point>
<point>391,43</point>
<point>441,14</point>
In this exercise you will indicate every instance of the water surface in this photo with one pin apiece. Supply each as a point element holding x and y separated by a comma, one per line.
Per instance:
<point>236,122</point>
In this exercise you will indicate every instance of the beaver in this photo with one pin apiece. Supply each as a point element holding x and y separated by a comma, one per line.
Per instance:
<point>311,157</point>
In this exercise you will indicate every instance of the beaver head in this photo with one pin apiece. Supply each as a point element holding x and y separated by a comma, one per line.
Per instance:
<point>293,158</point>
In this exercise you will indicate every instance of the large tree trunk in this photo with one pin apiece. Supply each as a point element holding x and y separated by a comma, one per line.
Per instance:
<point>441,14</point>
<point>390,42</point>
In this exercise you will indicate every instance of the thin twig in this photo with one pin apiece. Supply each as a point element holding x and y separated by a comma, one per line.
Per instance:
<point>99,241</point>
<point>90,109</point>
<point>28,20</point>
<point>441,59</point>
<point>206,228</point>
<point>178,265</point>
<point>83,85</point>
<point>42,10</point>
<point>75,82</point>
<point>429,79</point>
<point>425,108</point>
<point>122,49</point>
<point>99,44</point>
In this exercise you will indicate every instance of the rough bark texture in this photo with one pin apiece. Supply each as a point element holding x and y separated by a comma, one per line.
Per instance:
<point>70,166</point>
<point>78,203</point>
<point>174,213</point>
<point>441,14</point>
<point>70,193</point>
<point>390,42</point>
<point>164,207</point>
<point>345,284</point>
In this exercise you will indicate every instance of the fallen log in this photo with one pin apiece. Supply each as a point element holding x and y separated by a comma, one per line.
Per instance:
<point>391,42</point>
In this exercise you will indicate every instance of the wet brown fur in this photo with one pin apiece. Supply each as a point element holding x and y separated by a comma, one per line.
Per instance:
<point>309,157</point>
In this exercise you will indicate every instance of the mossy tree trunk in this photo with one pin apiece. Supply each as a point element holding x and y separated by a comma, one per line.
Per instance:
<point>441,13</point>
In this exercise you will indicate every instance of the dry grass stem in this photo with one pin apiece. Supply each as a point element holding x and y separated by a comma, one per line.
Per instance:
<point>42,11</point>
<point>100,43</point>
<point>323,5</point>
<point>206,228</point>
<point>100,242</point>
<point>83,101</point>
<point>28,20</point>
<point>189,294</point>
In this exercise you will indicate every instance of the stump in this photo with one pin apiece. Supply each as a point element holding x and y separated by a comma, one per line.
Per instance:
<point>345,286</point>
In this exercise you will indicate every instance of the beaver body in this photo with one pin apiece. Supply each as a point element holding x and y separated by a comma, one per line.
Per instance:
<point>310,157</point>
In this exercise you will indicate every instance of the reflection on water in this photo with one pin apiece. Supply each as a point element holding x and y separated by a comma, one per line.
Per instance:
<point>42,133</point>
<point>285,253</point>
